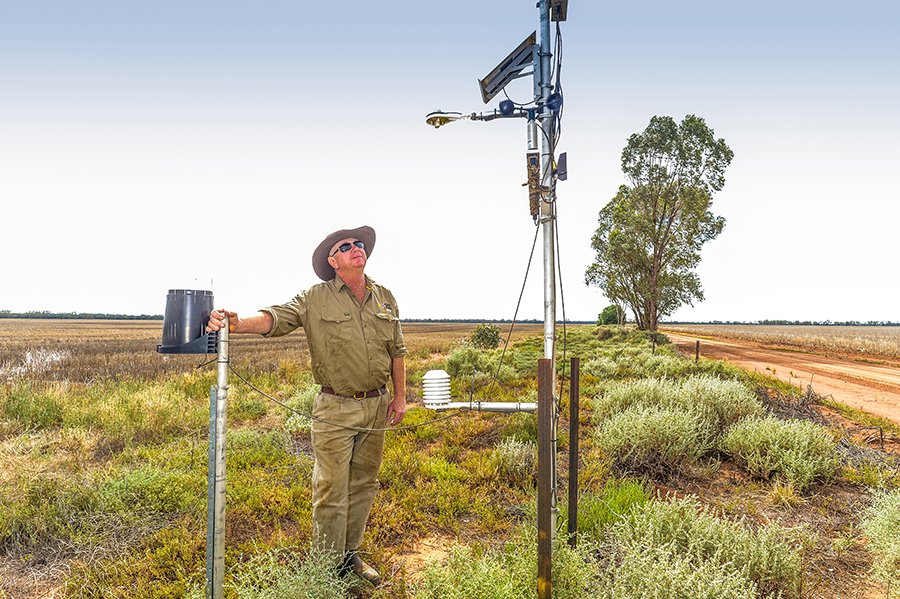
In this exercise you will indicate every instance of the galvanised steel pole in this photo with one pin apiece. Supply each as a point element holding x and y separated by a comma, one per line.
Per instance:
<point>215,518</point>
<point>548,223</point>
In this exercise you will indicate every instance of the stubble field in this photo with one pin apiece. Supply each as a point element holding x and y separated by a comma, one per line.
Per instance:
<point>875,341</point>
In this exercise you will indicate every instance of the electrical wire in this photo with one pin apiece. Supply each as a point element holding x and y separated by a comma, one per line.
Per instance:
<point>494,380</point>
<point>515,315</point>
<point>344,426</point>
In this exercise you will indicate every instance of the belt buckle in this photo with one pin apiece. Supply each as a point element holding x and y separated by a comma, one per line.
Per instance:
<point>360,395</point>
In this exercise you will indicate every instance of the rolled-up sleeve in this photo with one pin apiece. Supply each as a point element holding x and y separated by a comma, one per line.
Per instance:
<point>287,317</point>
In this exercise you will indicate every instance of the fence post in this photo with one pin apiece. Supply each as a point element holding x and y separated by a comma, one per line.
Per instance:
<point>573,453</point>
<point>545,478</point>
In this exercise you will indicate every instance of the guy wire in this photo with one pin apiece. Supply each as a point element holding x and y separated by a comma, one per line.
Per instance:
<point>515,315</point>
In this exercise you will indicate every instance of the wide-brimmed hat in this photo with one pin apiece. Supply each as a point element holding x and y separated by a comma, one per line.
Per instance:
<point>320,256</point>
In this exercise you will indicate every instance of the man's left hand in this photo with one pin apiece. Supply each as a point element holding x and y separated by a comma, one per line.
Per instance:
<point>396,410</point>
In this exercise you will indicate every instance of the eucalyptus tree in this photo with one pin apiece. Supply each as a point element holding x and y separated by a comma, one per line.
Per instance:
<point>649,236</point>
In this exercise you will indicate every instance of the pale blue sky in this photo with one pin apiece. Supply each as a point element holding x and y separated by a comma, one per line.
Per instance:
<point>157,145</point>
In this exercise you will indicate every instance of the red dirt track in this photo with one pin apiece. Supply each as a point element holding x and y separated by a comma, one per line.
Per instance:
<point>873,388</point>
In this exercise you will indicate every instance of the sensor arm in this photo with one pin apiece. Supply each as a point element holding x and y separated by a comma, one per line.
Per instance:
<point>439,118</point>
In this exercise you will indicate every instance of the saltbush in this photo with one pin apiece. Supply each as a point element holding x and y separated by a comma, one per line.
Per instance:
<point>284,574</point>
<point>881,523</point>
<point>798,452</point>
<point>517,462</point>
<point>297,418</point>
<point>703,549</point>
<point>642,570</point>
<point>506,573</point>
<point>646,436</point>
<point>717,404</point>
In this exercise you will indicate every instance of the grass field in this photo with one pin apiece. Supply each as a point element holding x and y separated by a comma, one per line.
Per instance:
<point>103,455</point>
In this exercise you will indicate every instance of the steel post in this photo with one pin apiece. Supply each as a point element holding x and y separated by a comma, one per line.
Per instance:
<point>215,529</point>
<point>545,478</point>
<point>574,391</point>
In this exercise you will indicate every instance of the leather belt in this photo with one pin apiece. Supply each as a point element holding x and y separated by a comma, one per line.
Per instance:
<point>360,395</point>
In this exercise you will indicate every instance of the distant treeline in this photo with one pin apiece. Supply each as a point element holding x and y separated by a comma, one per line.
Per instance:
<point>818,323</point>
<point>77,316</point>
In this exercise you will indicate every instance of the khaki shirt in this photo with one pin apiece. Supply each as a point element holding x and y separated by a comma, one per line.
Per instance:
<point>351,346</point>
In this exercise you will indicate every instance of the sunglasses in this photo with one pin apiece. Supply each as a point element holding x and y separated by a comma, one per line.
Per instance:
<point>345,247</point>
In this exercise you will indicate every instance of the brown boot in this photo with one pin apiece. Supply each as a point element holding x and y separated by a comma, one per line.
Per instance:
<point>362,569</point>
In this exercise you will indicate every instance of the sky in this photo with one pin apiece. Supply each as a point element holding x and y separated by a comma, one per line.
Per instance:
<point>148,146</point>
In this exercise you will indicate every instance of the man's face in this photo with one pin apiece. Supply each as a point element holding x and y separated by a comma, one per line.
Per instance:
<point>353,257</point>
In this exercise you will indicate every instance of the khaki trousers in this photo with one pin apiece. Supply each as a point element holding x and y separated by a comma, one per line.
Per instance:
<point>345,474</point>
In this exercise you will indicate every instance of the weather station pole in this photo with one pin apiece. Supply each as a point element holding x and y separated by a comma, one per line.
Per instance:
<point>543,172</point>
<point>548,225</point>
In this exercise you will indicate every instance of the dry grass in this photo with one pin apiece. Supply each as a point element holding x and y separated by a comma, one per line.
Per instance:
<point>866,340</point>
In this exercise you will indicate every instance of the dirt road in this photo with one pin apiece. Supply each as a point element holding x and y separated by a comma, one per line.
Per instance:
<point>874,388</point>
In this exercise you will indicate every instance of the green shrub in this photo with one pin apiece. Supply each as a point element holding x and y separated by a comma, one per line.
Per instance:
<point>246,405</point>
<point>685,536</point>
<point>517,462</point>
<point>247,448</point>
<point>284,574</point>
<point>717,404</point>
<point>463,362</point>
<point>795,451</point>
<point>485,336</point>
<point>507,573</point>
<point>647,436</point>
<point>521,426</point>
<point>881,523</point>
<point>301,402</point>
<point>641,570</point>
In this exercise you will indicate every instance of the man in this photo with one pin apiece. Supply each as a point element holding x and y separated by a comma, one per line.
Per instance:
<point>355,342</point>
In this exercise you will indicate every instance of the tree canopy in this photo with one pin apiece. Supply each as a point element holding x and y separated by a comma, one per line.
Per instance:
<point>649,236</point>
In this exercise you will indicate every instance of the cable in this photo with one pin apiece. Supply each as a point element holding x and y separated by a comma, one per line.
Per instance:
<point>515,316</point>
<point>562,301</point>
<point>352,428</point>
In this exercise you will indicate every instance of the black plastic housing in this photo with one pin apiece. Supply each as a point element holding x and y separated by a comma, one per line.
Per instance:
<point>184,324</point>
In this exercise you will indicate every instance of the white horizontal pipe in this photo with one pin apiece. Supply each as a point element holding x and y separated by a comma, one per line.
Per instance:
<point>484,406</point>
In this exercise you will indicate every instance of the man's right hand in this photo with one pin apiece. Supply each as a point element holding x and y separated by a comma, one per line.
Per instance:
<point>260,323</point>
<point>217,320</point>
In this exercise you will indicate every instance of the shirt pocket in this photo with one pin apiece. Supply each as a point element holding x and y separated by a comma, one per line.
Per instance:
<point>385,327</point>
<point>337,328</point>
